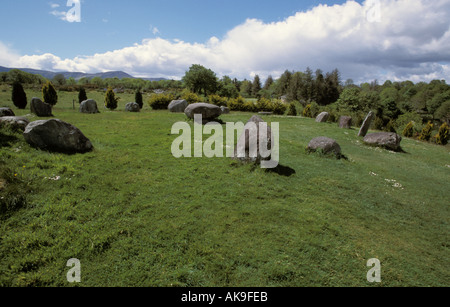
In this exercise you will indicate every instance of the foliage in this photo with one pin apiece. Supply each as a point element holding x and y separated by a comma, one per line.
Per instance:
<point>190,97</point>
<point>307,111</point>
<point>409,130</point>
<point>82,96</point>
<point>49,94</point>
<point>443,112</point>
<point>218,101</point>
<point>18,96</point>
<point>160,101</point>
<point>292,110</point>
<point>110,99</point>
<point>138,99</point>
<point>200,80</point>
<point>425,135</point>
<point>443,136</point>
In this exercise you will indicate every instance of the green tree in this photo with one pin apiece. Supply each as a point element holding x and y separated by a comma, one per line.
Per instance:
<point>246,89</point>
<point>256,86</point>
<point>49,94</point>
<point>18,96</point>
<point>200,80</point>
<point>349,99</point>
<point>82,96</point>
<point>268,83</point>
<point>110,99</point>
<point>59,79</point>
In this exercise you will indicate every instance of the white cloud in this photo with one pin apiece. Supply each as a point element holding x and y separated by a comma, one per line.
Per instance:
<point>405,39</point>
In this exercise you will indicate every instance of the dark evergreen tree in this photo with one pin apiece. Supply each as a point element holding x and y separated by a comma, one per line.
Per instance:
<point>138,99</point>
<point>18,96</point>
<point>256,86</point>
<point>82,96</point>
<point>49,94</point>
<point>110,99</point>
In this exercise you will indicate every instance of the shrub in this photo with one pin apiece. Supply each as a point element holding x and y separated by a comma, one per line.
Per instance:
<point>218,101</point>
<point>190,97</point>
<point>292,110</point>
<point>443,135</point>
<point>49,94</point>
<point>264,105</point>
<point>82,96</point>
<point>409,130</point>
<point>138,99</point>
<point>390,127</point>
<point>18,96</point>
<point>160,101</point>
<point>425,135</point>
<point>378,123</point>
<point>307,111</point>
<point>236,104</point>
<point>110,99</point>
<point>278,108</point>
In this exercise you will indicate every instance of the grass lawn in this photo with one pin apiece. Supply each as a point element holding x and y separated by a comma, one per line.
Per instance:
<point>136,216</point>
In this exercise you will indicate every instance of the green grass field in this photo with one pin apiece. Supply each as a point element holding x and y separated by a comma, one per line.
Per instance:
<point>136,216</point>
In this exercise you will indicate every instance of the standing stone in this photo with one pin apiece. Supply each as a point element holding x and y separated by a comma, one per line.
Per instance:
<point>322,117</point>
<point>208,111</point>
<point>244,151</point>
<point>387,140</point>
<point>327,145</point>
<point>345,122</point>
<point>14,122</point>
<point>178,106</point>
<point>6,112</point>
<point>132,107</point>
<point>366,124</point>
<point>89,107</point>
<point>56,135</point>
<point>41,109</point>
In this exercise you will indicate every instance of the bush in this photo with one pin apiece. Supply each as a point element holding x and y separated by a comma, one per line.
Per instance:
<point>264,105</point>
<point>292,110</point>
<point>18,96</point>
<point>82,96</point>
<point>110,99</point>
<point>307,111</point>
<point>138,99</point>
<point>443,135</point>
<point>378,123</point>
<point>390,126</point>
<point>190,97</point>
<point>425,135</point>
<point>160,101</point>
<point>236,104</point>
<point>409,130</point>
<point>218,101</point>
<point>49,94</point>
<point>278,108</point>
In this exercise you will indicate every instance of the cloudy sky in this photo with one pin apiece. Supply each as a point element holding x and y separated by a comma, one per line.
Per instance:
<point>365,40</point>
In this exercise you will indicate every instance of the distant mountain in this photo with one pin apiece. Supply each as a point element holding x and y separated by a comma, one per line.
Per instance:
<point>78,75</point>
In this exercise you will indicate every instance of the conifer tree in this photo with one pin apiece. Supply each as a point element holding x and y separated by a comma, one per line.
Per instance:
<point>19,97</point>
<point>49,94</point>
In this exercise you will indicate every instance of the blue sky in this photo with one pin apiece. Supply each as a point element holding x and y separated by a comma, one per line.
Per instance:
<point>365,40</point>
<point>112,24</point>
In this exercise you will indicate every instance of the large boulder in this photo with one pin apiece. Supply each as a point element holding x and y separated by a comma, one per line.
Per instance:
<point>345,122</point>
<point>325,145</point>
<point>56,135</point>
<point>322,117</point>
<point>178,106</point>
<point>251,135</point>
<point>366,124</point>
<point>132,107</point>
<point>387,140</point>
<point>6,112</point>
<point>89,107</point>
<point>208,111</point>
<point>14,122</point>
<point>41,109</point>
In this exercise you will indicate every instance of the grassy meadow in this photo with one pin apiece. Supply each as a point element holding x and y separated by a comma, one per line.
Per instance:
<point>136,216</point>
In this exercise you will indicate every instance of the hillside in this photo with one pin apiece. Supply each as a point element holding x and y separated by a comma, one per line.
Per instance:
<point>136,216</point>
<point>77,75</point>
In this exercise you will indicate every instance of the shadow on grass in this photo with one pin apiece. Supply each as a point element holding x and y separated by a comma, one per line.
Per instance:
<point>282,170</point>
